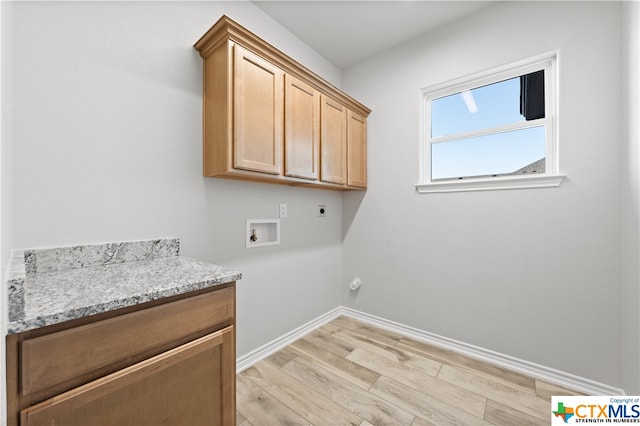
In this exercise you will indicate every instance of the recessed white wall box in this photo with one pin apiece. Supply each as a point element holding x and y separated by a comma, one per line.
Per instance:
<point>262,232</point>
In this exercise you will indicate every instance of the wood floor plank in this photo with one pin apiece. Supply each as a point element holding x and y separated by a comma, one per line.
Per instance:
<point>421,422</point>
<point>260,408</point>
<point>427,408</point>
<point>499,414</point>
<point>448,357</point>
<point>282,357</point>
<point>392,367</point>
<point>241,421</point>
<point>328,328</point>
<point>374,333</point>
<point>364,404</point>
<point>341,366</point>
<point>495,390</point>
<point>546,390</point>
<point>330,343</point>
<point>393,353</point>
<point>442,390</point>
<point>357,340</point>
<point>312,405</point>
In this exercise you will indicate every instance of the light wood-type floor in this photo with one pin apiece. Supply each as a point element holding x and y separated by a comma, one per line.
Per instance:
<point>350,373</point>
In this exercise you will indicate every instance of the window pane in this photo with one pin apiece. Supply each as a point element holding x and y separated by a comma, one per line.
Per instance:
<point>498,104</point>
<point>515,152</point>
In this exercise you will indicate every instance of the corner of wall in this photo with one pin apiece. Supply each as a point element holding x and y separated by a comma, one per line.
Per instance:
<point>630,344</point>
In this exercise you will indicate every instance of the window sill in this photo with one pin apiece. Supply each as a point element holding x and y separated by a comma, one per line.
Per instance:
<point>491,184</point>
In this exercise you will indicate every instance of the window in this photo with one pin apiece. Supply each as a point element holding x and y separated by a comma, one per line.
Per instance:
<point>495,130</point>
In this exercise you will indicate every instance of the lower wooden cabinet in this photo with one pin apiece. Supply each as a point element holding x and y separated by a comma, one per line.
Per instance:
<point>185,385</point>
<point>162,363</point>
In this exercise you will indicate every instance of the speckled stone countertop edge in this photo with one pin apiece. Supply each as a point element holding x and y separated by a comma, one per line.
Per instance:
<point>27,324</point>
<point>15,291</point>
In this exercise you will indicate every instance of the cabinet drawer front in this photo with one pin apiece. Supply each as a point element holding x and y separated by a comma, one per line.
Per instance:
<point>73,355</point>
<point>191,384</point>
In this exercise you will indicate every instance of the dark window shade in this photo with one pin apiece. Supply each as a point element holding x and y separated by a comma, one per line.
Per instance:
<point>532,95</point>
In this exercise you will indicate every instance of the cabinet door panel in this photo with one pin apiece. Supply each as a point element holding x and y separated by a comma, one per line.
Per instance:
<point>356,150</point>
<point>191,384</point>
<point>258,113</point>
<point>333,141</point>
<point>302,129</point>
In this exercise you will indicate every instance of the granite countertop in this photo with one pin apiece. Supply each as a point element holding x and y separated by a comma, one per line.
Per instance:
<point>49,286</point>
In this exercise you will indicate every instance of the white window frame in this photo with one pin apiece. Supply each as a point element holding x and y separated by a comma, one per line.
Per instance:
<point>551,176</point>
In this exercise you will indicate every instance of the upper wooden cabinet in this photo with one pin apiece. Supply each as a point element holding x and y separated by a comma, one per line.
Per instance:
<point>268,118</point>
<point>333,141</point>
<point>356,150</point>
<point>257,112</point>
<point>302,129</point>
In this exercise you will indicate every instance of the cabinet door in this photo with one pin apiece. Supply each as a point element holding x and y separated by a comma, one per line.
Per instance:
<point>356,150</point>
<point>258,91</point>
<point>333,141</point>
<point>302,129</point>
<point>191,384</point>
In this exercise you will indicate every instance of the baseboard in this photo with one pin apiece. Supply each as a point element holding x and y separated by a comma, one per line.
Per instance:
<point>531,369</point>
<point>246,361</point>
<point>537,371</point>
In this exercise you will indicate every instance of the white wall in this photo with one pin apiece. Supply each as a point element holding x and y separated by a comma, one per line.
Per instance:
<point>631,199</point>
<point>534,274</point>
<point>108,141</point>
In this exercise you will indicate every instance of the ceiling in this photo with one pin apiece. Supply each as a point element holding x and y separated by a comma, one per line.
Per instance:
<point>348,32</point>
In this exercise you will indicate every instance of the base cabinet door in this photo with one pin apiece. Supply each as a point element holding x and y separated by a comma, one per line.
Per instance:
<point>193,384</point>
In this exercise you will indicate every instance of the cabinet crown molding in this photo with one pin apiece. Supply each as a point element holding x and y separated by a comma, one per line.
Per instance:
<point>226,29</point>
